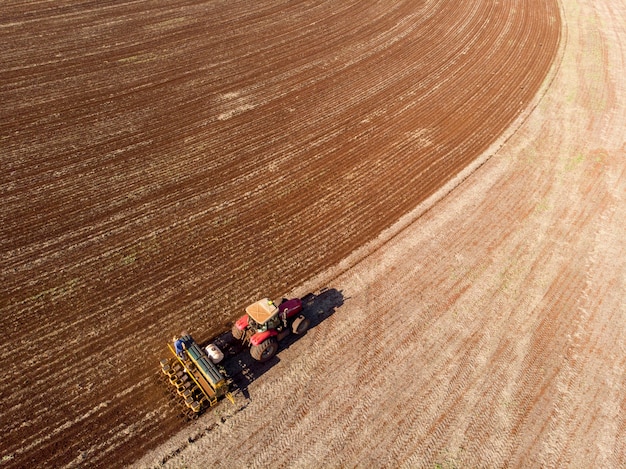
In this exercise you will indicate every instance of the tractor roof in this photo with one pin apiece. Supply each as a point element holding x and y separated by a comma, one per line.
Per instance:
<point>262,310</point>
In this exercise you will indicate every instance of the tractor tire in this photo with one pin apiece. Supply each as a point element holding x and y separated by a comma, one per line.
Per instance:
<point>300,325</point>
<point>265,350</point>
<point>237,334</point>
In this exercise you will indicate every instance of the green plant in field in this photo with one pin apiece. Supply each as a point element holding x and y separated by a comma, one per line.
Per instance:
<point>128,259</point>
<point>56,292</point>
<point>450,464</point>
<point>542,206</point>
<point>574,162</point>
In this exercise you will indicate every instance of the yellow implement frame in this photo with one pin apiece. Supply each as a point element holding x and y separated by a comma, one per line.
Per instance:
<point>211,394</point>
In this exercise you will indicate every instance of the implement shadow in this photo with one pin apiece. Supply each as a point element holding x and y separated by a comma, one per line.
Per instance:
<point>242,369</point>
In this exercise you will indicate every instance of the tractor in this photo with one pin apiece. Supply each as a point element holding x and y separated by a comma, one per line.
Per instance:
<point>265,324</point>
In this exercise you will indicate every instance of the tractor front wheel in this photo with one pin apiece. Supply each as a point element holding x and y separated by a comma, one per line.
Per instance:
<point>265,350</point>
<point>237,334</point>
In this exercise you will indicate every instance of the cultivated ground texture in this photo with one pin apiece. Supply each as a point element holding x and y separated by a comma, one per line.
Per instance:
<point>165,164</point>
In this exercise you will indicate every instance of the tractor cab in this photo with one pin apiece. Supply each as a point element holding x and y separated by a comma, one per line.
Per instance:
<point>264,315</point>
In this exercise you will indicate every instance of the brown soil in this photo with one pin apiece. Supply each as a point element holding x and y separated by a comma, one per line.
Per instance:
<point>164,165</point>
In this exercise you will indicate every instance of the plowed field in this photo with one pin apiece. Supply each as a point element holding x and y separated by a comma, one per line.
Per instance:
<point>165,164</point>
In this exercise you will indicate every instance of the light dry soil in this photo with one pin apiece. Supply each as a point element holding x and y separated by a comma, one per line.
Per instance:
<point>447,177</point>
<point>487,332</point>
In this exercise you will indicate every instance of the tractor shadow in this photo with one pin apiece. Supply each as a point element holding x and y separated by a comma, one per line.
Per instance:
<point>242,369</point>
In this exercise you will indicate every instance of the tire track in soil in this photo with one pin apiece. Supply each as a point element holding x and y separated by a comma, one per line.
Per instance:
<point>135,160</point>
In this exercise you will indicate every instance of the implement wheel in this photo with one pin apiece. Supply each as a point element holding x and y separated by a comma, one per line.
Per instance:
<point>265,350</point>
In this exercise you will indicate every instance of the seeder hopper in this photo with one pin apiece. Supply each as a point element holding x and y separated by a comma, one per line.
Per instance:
<point>196,381</point>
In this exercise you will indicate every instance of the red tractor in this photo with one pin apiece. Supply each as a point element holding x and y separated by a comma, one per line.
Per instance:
<point>265,324</point>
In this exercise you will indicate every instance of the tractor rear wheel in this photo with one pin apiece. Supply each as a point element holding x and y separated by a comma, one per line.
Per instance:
<point>300,325</point>
<point>237,334</point>
<point>265,350</point>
